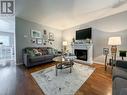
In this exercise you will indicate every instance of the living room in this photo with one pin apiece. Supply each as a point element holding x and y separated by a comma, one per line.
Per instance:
<point>68,48</point>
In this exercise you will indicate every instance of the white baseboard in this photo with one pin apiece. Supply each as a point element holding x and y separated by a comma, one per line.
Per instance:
<point>19,63</point>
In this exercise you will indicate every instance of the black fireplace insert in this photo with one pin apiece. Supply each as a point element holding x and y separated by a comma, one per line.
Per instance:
<point>81,54</point>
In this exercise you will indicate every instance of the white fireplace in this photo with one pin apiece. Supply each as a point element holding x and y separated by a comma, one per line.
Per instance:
<point>84,52</point>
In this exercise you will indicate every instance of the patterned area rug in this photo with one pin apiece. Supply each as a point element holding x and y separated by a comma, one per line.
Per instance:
<point>65,83</point>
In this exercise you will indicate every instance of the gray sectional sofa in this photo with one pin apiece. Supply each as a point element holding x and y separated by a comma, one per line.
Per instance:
<point>37,55</point>
<point>120,78</point>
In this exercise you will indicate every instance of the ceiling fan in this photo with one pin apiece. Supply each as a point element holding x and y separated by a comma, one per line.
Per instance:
<point>119,3</point>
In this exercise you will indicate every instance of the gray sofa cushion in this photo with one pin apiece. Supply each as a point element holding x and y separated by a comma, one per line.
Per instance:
<point>37,58</point>
<point>118,85</point>
<point>119,72</point>
<point>123,91</point>
<point>49,56</point>
<point>41,58</point>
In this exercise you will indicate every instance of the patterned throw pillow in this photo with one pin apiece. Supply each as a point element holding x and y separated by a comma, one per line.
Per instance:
<point>37,53</point>
<point>30,52</point>
<point>39,50</point>
<point>50,51</point>
<point>53,51</point>
<point>44,51</point>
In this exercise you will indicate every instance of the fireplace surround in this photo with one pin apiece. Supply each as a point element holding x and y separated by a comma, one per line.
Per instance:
<point>84,52</point>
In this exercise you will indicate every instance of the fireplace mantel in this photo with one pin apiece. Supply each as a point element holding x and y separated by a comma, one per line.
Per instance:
<point>85,46</point>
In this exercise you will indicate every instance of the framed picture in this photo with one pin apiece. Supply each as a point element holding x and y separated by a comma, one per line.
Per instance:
<point>51,37</point>
<point>45,32</point>
<point>45,36</point>
<point>36,34</point>
<point>33,40</point>
<point>39,41</point>
<point>105,51</point>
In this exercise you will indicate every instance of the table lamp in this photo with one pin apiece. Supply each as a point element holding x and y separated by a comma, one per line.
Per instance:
<point>114,42</point>
<point>65,46</point>
<point>122,54</point>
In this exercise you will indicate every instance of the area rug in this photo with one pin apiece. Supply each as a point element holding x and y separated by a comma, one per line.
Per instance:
<point>65,83</point>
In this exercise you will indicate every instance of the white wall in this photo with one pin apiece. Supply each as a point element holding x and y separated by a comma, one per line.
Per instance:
<point>115,25</point>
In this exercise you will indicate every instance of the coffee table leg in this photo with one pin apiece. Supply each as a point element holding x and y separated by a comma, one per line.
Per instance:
<point>56,71</point>
<point>71,62</point>
<point>70,69</point>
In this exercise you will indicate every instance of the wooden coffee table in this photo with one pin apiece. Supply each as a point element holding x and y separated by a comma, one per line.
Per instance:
<point>63,63</point>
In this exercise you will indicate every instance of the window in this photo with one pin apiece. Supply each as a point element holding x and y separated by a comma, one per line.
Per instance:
<point>5,40</point>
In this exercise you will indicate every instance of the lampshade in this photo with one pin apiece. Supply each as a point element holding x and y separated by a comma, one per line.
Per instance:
<point>114,41</point>
<point>64,43</point>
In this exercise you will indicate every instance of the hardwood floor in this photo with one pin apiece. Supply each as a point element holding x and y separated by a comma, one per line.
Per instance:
<point>99,83</point>
<point>16,80</point>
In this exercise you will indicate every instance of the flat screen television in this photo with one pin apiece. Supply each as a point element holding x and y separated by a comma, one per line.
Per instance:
<point>84,34</point>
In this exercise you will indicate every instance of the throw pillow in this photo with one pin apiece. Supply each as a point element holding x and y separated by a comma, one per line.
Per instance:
<point>50,51</point>
<point>44,51</point>
<point>55,51</point>
<point>30,52</point>
<point>39,50</point>
<point>37,53</point>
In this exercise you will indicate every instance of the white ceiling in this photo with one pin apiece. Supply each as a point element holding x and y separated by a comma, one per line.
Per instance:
<point>63,14</point>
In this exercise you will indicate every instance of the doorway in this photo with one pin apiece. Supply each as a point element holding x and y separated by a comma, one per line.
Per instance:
<point>7,41</point>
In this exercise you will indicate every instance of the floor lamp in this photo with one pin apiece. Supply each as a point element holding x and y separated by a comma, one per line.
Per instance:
<point>114,42</point>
